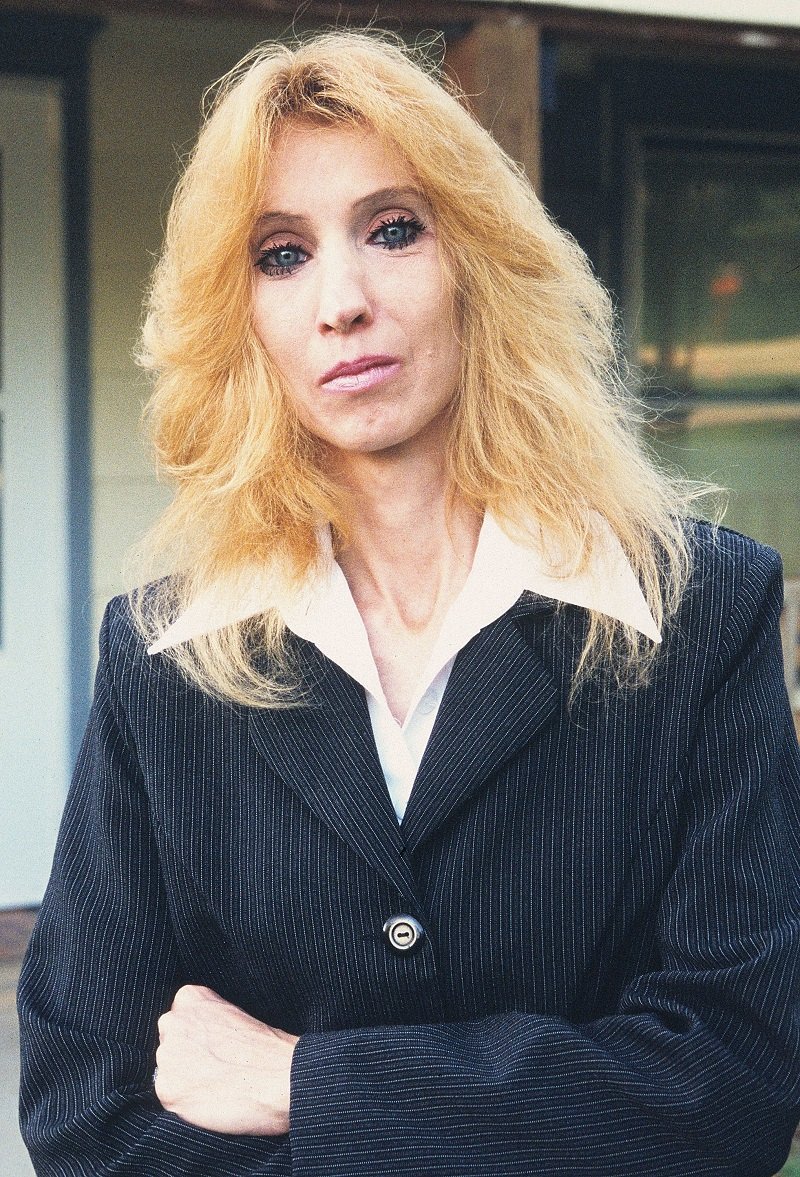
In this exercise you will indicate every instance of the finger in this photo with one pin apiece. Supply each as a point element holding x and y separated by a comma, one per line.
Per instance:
<point>189,995</point>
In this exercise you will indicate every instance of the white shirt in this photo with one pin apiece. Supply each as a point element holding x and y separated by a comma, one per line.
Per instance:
<point>323,612</point>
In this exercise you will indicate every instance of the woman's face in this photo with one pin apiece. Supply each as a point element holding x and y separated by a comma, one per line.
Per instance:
<point>349,296</point>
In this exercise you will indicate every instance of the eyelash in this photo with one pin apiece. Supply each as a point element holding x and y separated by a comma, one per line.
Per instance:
<point>414,227</point>
<point>270,268</point>
<point>267,264</point>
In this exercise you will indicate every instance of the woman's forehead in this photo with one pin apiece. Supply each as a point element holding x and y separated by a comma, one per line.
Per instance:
<point>313,165</point>
<point>304,140</point>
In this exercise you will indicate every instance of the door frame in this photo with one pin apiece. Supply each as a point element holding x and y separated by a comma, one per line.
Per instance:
<point>45,46</point>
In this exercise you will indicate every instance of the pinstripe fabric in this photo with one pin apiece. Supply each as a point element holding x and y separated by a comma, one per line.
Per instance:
<point>609,980</point>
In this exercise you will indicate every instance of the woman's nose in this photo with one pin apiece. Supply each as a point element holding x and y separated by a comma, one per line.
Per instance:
<point>344,301</point>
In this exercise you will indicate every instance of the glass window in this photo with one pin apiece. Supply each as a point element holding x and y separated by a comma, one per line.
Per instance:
<point>714,318</point>
<point>721,273</point>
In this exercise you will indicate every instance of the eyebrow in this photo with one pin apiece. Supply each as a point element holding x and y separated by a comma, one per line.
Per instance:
<point>373,200</point>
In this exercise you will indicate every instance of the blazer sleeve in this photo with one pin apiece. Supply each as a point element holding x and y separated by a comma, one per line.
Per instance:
<point>101,968</point>
<point>698,1069</point>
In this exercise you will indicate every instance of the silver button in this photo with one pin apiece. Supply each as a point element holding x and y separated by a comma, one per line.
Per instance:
<point>403,932</point>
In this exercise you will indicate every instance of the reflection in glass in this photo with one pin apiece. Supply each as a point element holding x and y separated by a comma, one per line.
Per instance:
<point>714,321</point>
<point>719,325</point>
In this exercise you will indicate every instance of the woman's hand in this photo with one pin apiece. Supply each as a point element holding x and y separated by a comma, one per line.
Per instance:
<point>220,1069</point>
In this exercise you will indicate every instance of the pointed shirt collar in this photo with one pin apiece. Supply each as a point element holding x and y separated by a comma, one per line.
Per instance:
<point>323,612</point>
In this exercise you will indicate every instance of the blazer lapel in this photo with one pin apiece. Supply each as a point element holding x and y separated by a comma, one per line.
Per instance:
<point>500,694</point>
<point>326,752</point>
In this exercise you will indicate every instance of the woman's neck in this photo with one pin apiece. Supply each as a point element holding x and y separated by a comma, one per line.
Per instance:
<point>411,546</point>
<point>410,553</point>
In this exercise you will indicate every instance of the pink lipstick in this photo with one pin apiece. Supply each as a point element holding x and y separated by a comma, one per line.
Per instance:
<point>357,375</point>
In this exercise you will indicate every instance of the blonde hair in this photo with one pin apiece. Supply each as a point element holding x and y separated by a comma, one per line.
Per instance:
<point>542,427</point>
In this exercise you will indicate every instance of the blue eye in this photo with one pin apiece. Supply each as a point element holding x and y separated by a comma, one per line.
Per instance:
<point>281,260</point>
<point>397,232</point>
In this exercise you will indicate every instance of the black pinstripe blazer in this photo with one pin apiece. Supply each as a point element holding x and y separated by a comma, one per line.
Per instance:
<point>609,980</point>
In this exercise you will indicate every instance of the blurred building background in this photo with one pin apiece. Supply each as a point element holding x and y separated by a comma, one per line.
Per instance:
<point>663,134</point>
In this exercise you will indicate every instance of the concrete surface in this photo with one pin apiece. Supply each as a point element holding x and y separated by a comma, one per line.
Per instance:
<point>14,1160</point>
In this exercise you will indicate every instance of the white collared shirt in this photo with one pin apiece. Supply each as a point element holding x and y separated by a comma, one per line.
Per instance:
<point>324,613</point>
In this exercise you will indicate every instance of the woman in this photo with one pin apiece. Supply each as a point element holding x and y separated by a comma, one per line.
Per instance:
<point>414,542</point>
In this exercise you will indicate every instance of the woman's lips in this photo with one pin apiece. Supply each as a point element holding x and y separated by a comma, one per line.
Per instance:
<point>359,374</point>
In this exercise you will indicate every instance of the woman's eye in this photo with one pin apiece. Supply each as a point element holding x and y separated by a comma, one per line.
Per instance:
<point>281,260</point>
<point>397,233</point>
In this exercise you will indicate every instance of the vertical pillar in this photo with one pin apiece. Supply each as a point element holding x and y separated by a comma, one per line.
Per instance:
<point>497,65</point>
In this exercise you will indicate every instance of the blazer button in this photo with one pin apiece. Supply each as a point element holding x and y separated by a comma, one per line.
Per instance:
<point>403,932</point>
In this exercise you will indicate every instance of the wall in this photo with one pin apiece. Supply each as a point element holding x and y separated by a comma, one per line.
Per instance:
<point>148,76</point>
<point>765,12</point>
<point>759,466</point>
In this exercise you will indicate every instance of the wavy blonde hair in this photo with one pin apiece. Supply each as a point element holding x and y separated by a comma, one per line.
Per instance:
<point>541,427</point>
